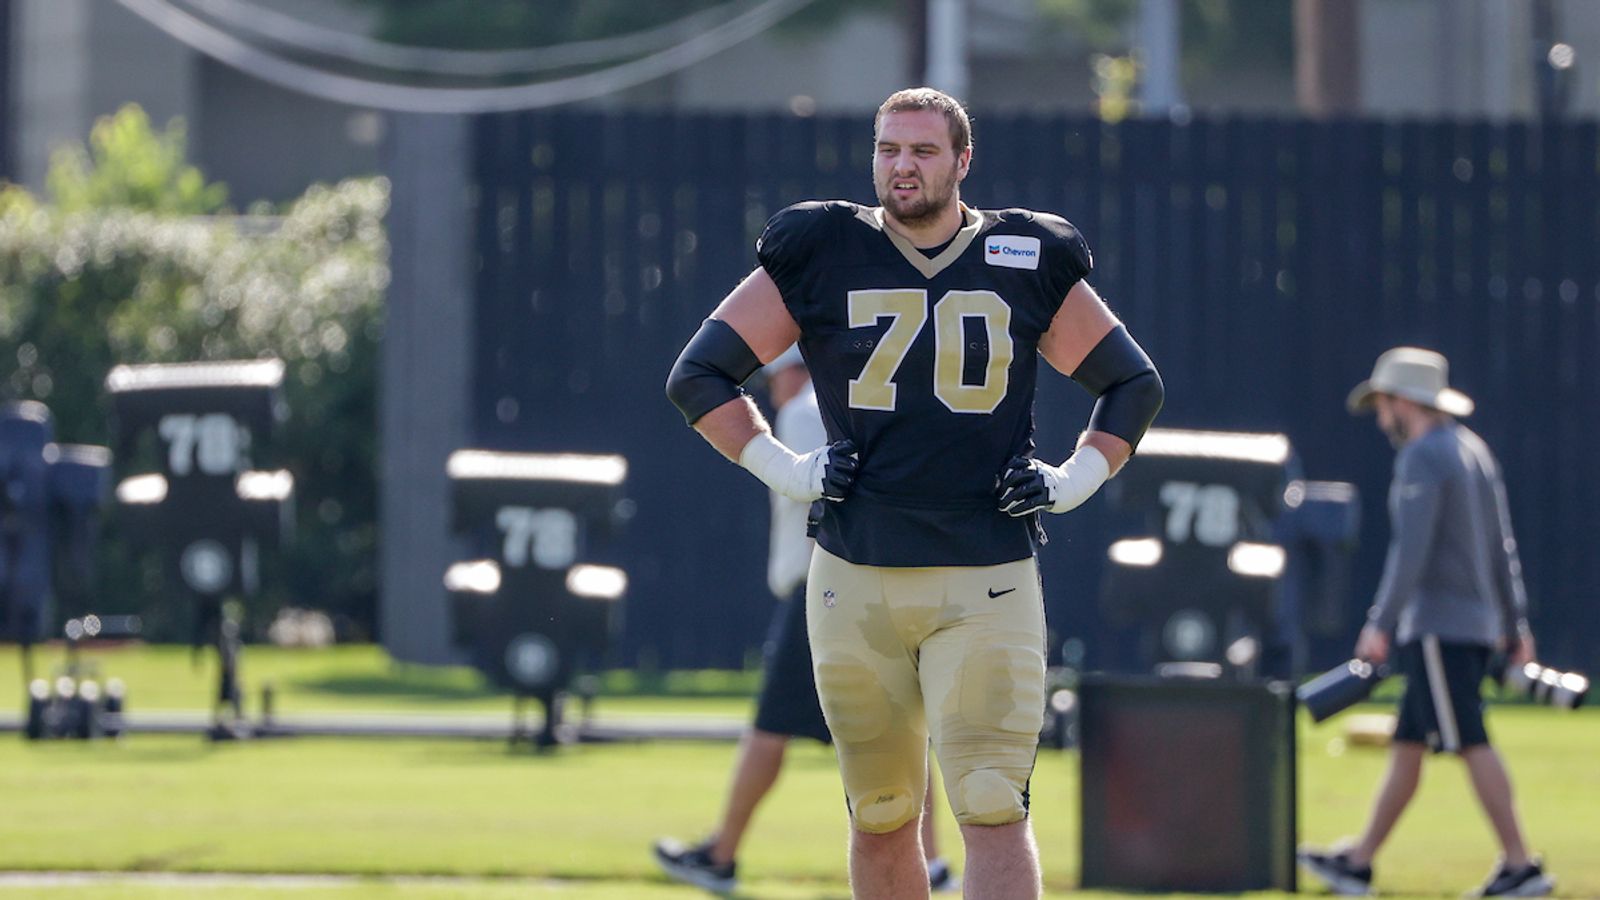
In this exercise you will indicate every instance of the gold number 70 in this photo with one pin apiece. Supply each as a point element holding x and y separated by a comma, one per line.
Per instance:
<point>907,310</point>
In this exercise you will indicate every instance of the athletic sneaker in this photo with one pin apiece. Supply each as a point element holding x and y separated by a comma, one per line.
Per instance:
<point>693,865</point>
<point>940,878</point>
<point>1527,881</point>
<point>1337,872</point>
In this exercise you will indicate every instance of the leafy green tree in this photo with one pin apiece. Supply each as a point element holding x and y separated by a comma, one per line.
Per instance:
<point>1217,35</point>
<point>130,165</point>
<point>1098,25</point>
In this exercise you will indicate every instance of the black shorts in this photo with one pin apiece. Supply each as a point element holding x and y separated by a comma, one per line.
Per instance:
<point>788,703</point>
<point>1443,702</point>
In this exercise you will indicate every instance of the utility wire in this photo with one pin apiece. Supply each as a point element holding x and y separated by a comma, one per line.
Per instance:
<point>292,34</point>
<point>366,92</point>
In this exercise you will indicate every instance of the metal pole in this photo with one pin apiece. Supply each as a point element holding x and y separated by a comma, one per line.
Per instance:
<point>426,377</point>
<point>1327,49</point>
<point>7,107</point>
<point>1499,68</point>
<point>1160,52</point>
<point>947,46</point>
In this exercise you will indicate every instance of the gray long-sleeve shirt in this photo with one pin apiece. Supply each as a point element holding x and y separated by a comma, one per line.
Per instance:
<point>1452,568</point>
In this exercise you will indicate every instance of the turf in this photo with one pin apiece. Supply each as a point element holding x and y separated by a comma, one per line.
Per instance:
<point>477,819</point>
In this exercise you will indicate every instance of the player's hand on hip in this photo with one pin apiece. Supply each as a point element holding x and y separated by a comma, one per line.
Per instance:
<point>827,472</point>
<point>840,465</point>
<point>1028,485</point>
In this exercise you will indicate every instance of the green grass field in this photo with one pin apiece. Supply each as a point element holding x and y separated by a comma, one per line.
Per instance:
<point>462,818</point>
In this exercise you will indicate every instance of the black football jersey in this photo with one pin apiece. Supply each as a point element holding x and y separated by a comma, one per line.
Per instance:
<point>928,365</point>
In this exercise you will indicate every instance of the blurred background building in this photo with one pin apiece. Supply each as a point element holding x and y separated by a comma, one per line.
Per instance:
<point>69,61</point>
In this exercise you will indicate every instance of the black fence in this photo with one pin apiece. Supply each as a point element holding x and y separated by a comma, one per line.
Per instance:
<point>1264,264</point>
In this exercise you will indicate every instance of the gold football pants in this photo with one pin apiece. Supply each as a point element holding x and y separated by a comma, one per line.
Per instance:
<point>951,652</point>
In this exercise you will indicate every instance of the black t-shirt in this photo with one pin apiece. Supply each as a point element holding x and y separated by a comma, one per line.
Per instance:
<point>928,365</point>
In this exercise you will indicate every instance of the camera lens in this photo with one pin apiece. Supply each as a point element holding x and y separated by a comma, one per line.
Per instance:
<point>1542,684</point>
<point>1569,691</point>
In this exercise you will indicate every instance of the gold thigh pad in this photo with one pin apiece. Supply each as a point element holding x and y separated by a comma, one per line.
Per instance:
<point>982,676</point>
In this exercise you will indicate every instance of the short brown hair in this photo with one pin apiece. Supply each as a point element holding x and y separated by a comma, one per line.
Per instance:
<point>912,99</point>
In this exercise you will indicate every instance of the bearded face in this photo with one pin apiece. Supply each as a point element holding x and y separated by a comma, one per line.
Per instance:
<point>1389,420</point>
<point>915,169</point>
<point>915,195</point>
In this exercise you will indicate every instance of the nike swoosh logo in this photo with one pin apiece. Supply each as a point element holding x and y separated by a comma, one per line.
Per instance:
<point>994,593</point>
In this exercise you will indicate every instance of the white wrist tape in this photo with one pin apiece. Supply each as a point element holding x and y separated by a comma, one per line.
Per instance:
<point>1076,480</point>
<point>779,468</point>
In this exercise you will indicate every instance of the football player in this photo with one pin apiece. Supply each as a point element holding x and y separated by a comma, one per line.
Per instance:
<point>921,320</point>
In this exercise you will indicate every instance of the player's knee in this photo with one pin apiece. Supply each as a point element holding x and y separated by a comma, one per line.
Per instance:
<point>987,797</point>
<point>885,809</point>
<point>853,701</point>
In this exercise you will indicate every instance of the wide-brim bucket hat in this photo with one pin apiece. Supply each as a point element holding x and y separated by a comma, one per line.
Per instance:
<point>1421,376</point>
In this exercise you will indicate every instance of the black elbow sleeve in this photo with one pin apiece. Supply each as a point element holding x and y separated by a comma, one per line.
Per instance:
<point>1119,372</point>
<point>1128,407</point>
<point>709,370</point>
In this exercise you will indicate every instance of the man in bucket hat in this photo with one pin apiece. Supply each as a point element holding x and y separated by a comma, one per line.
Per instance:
<point>1451,593</point>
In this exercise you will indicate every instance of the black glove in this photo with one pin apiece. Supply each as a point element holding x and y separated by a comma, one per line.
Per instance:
<point>1022,487</point>
<point>839,473</point>
<point>1027,486</point>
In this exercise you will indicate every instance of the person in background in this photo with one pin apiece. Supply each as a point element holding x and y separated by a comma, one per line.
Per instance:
<point>1451,594</point>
